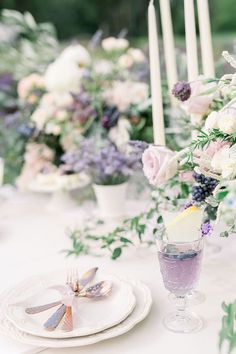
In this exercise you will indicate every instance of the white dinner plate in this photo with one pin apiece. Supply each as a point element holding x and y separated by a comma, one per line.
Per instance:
<point>92,315</point>
<point>142,308</point>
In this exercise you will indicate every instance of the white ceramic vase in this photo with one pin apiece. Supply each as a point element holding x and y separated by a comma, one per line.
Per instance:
<point>111,199</point>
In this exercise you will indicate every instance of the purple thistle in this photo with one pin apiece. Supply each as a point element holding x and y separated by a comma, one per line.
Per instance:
<point>206,228</point>
<point>182,90</point>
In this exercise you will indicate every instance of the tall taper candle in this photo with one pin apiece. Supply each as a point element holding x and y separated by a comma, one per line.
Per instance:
<point>205,37</point>
<point>155,76</point>
<point>191,40</point>
<point>169,47</point>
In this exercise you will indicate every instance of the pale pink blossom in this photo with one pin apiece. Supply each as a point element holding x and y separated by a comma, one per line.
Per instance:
<point>159,164</point>
<point>28,83</point>
<point>214,147</point>
<point>37,157</point>
<point>199,101</point>
<point>186,176</point>
<point>124,93</point>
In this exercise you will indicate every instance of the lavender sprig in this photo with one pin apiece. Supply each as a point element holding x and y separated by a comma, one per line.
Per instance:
<point>106,165</point>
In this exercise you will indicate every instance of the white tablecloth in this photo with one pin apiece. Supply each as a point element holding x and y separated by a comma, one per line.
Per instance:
<point>31,241</point>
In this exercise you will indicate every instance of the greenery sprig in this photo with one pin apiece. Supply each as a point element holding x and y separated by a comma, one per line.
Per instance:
<point>228,330</point>
<point>132,231</point>
<point>204,138</point>
<point>85,240</point>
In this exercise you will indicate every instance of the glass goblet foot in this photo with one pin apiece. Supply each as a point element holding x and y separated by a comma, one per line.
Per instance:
<point>185,322</point>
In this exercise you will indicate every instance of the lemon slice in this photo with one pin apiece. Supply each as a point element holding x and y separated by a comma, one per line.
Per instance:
<point>186,226</point>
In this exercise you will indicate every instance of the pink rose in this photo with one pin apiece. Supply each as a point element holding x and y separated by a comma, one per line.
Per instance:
<point>158,165</point>
<point>199,102</point>
<point>186,176</point>
<point>215,146</point>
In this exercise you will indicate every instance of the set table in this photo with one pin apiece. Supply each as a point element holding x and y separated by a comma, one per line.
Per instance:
<point>32,240</point>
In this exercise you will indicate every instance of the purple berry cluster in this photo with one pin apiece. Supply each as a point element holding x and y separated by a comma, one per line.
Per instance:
<point>204,189</point>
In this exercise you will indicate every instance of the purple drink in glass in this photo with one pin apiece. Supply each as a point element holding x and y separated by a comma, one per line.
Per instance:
<point>180,271</point>
<point>180,264</point>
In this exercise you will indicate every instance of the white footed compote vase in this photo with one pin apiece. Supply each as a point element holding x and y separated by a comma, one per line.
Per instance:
<point>111,200</point>
<point>180,264</point>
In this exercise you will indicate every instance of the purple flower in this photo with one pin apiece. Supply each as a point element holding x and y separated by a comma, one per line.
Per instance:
<point>206,228</point>
<point>188,205</point>
<point>182,90</point>
<point>110,117</point>
<point>105,164</point>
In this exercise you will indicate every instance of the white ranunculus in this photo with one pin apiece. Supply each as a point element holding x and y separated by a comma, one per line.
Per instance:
<point>137,55</point>
<point>111,44</point>
<point>212,121</point>
<point>224,162</point>
<point>76,54</point>
<point>125,61</point>
<point>227,123</point>
<point>119,134</point>
<point>63,76</point>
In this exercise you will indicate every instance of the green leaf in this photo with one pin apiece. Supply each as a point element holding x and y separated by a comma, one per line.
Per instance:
<point>125,240</point>
<point>160,220</point>
<point>116,253</point>
<point>222,195</point>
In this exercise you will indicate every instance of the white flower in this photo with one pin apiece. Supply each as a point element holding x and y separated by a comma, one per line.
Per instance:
<point>76,54</point>
<point>125,61</point>
<point>137,55</point>
<point>119,134</point>
<point>227,123</point>
<point>63,76</point>
<point>124,93</point>
<point>52,128</point>
<point>61,115</point>
<point>114,44</point>
<point>56,100</point>
<point>40,117</point>
<point>212,121</point>
<point>103,67</point>
<point>224,162</point>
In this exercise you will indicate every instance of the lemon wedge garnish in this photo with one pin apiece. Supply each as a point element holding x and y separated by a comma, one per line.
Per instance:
<point>186,226</point>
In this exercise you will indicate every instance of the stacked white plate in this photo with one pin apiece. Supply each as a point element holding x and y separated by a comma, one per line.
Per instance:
<point>94,320</point>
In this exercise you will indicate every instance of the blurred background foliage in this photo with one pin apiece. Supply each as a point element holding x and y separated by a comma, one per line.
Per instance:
<point>81,17</point>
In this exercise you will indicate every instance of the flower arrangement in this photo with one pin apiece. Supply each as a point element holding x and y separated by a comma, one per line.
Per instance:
<point>79,97</point>
<point>106,165</point>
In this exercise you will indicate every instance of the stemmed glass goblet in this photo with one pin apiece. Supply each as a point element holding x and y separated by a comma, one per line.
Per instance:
<point>180,264</point>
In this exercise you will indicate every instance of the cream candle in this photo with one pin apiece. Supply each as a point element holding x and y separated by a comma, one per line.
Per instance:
<point>205,38</point>
<point>169,48</point>
<point>191,40</point>
<point>155,77</point>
